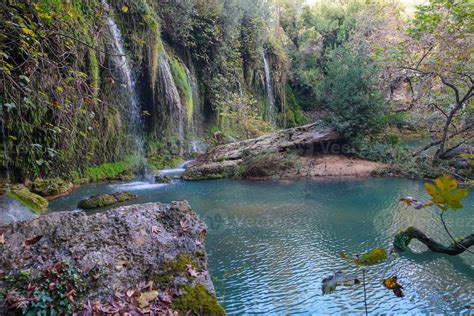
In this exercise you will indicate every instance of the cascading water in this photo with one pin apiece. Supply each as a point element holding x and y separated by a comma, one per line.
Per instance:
<point>269,88</point>
<point>122,64</point>
<point>192,124</point>
<point>171,95</point>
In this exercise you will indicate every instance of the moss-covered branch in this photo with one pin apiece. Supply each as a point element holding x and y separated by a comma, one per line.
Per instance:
<point>403,239</point>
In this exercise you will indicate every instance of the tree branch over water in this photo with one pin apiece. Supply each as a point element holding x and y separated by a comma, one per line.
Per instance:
<point>403,239</point>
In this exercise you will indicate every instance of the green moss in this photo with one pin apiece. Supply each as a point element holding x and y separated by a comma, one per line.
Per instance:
<point>94,71</point>
<point>49,187</point>
<point>294,114</point>
<point>163,161</point>
<point>183,84</point>
<point>102,200</point>
<point>31,200</point>
<point>179,264</point>
<point>197,301</point>
<point>173,268</point>
<point>110,171</point>
<point>402,240</point>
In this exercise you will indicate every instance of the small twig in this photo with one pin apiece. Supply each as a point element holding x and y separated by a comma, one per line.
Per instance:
<point>450,235</point>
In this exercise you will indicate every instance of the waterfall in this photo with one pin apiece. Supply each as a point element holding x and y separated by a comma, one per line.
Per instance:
<point>195,94</point>
<point>122,64</point>
<point>270,98</point>
<point>171,96</point>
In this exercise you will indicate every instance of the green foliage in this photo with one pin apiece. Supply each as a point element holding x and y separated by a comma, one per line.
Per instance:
<point>109,171</point>
<point>354,106</point>
<point>240,118</point>
<point>292,115</point>
<point>94,72</point>
<point>51,78</point>
<point>54,291</point>
<point>197,301</point>
<point>163,161</point>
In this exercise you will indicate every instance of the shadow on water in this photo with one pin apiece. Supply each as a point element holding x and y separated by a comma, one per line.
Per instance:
<point>457,262</point>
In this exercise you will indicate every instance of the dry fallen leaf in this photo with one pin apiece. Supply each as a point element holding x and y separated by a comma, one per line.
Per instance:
<point>2,239</point>
<point>166,297</point>
<point>32,241</point>
<point>155,229</point>
<point>392,284</point>
<point>145,298</point>
<point>184,225</point>
<point>191,271</point>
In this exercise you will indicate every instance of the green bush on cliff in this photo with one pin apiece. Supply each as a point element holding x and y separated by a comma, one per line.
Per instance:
<point>109,171</point>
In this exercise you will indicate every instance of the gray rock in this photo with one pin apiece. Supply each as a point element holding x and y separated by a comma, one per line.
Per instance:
<point>128,245</point>
<point>228,161</point>
<point>105,199</point>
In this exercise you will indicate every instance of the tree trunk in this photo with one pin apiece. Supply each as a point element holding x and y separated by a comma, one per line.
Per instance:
<point>403,239</point>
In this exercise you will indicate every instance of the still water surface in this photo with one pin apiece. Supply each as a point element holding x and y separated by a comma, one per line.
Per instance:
<point>271,243</point>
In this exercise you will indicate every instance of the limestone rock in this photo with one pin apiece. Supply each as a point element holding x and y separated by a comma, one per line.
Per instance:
<point>105,199</point>
<point>114,251</point>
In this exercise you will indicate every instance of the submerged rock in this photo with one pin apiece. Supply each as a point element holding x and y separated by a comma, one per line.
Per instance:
<point>162,179</point>
<point>31,200</point>
<point>105,199</point>
<point>112,256</point>
<point>51,187</point>
<point>302,152</point>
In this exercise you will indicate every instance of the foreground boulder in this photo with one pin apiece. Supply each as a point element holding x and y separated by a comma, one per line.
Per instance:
<point>136,259</point>
<point>302,152</point>
<point>105,199</point>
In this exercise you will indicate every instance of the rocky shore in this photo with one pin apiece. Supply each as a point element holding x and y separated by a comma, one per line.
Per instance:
<point>146,258</point>
<point>303,152</point>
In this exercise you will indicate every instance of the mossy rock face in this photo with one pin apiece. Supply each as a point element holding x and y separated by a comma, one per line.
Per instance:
<point>102,200</point>
<point>31,200</point>
<point>197,301</point>
<point>50,187</point>
<point>174,268</point>
<point>162,179</point>
<point>124,196</point>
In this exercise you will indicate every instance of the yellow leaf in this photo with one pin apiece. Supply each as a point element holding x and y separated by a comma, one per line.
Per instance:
<point>431,189</point>
<point>145,298</point>
<point>372,257</point>
<point>125,8</point>
<point>445,193</point>
<point>392,284</point>
<point>27,31</point>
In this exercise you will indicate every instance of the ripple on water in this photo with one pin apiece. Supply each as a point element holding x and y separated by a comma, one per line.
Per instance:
<point>271,243</point>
